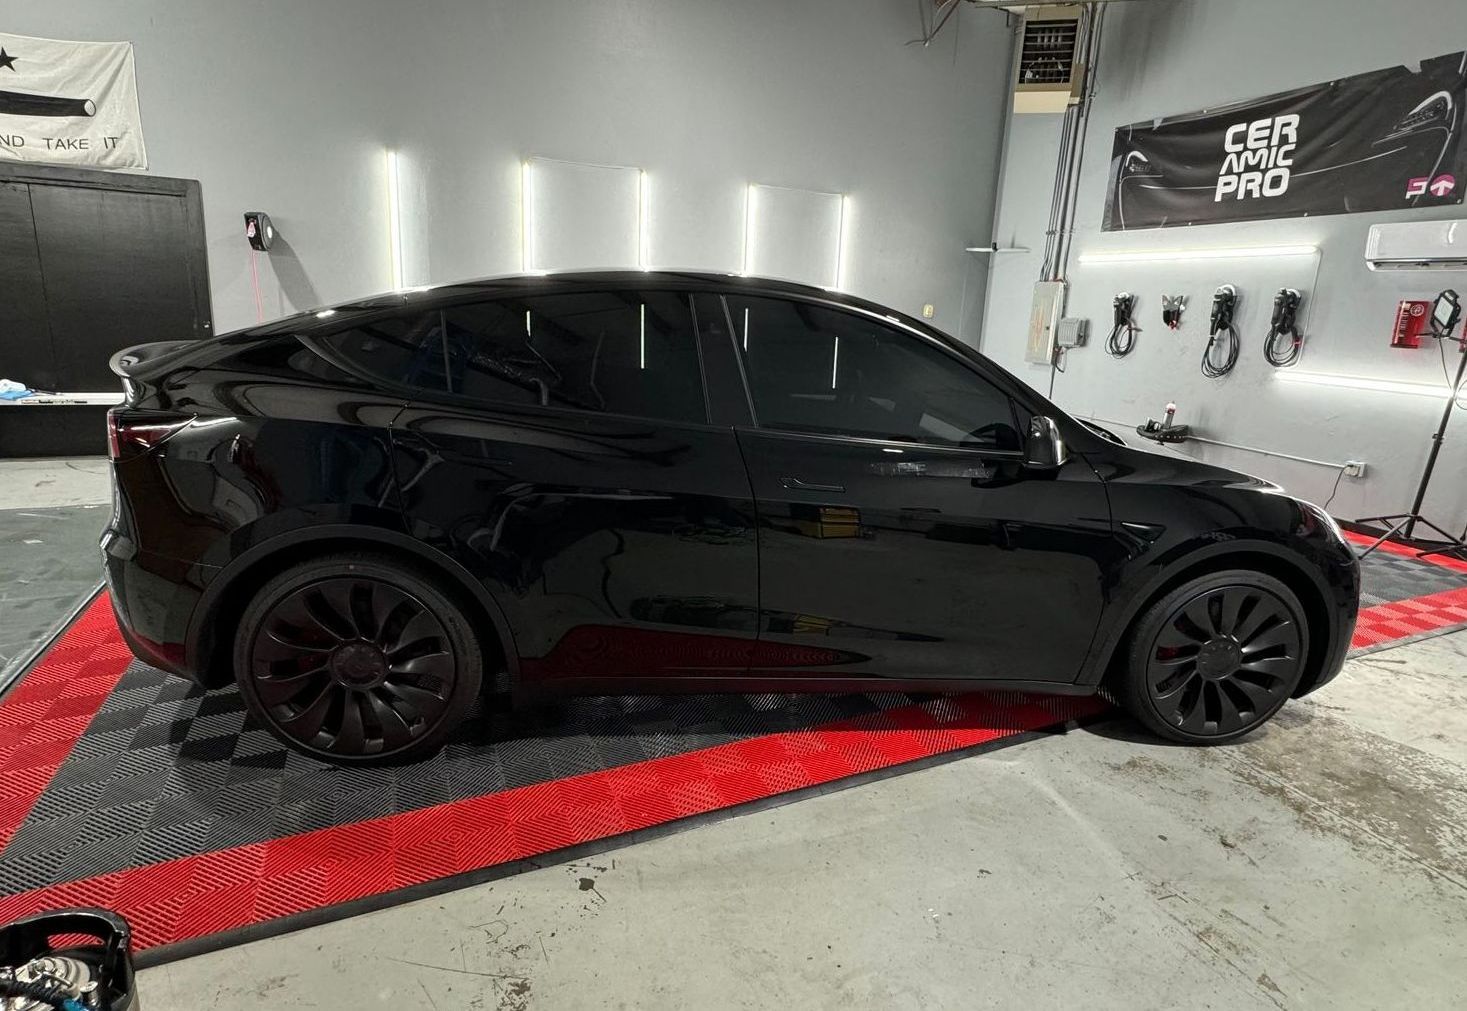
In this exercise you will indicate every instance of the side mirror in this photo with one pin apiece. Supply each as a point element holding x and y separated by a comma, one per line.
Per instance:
<point>1046,447</point>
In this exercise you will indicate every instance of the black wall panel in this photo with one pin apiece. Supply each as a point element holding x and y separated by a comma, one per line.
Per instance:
<point>25,334</point>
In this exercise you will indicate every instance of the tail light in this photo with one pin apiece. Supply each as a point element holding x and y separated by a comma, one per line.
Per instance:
<point>133,433</point>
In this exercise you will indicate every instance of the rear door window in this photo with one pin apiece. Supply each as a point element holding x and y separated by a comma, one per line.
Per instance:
<point>622,352</point>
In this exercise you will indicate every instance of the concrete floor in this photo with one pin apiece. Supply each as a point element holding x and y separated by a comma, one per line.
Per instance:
<point>44,484</point>
<point>1323,863</point>
<point>51,514</point>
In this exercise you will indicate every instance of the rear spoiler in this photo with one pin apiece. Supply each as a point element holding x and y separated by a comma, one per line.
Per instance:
<point>137,360</point>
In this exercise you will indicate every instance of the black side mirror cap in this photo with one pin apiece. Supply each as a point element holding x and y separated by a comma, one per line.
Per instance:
<point>1045,447</point>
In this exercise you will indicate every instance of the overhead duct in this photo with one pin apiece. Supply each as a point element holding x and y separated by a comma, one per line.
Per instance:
<point>1048,72</point>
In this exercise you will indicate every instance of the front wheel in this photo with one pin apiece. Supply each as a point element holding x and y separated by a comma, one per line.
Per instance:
<point>355,659</point>
<point>1216,657</point>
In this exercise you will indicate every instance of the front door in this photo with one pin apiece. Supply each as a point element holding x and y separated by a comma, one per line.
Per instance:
<point>900,532</point>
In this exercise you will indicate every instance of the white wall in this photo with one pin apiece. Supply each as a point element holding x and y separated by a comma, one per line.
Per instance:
<point>1166,58</point>
<point>288,106</point>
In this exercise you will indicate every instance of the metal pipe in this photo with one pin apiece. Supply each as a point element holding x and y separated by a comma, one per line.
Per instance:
<point>1233,445</point>
<point>1082,130</point>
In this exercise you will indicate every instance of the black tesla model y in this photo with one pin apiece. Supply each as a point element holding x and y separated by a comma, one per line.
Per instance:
<point>645,482</point>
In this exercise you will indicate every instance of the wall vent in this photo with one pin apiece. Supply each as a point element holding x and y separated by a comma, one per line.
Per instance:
<point>1049,73</point>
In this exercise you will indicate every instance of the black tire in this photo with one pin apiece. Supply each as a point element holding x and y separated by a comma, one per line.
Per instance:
<point>357,659</point>
<point>1215,658</point>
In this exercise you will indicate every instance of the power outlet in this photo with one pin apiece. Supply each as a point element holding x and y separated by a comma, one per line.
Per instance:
<point>1355,468</point>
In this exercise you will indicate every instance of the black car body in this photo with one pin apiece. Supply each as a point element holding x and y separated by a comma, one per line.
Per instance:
<point>646,482</point>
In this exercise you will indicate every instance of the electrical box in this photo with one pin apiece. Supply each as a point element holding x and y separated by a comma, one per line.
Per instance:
<point>1411,318</point>
<point>1049,74</point>
<point>1044,317</point>
<point>1071,332</point>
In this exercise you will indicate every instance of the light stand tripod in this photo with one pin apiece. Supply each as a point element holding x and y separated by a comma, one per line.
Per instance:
<point>1445,313</point>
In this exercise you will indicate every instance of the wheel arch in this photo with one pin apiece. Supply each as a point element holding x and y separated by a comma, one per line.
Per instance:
<point>211,630</point>
<point>1260,556</point>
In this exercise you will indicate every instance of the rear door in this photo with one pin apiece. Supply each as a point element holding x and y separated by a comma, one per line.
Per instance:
<point>900,532</point>
<point>571,464</point>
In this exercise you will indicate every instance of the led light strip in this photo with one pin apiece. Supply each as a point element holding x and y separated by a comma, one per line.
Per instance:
<point>527,218</point>
<point>840,243</point>
<point>749,202</point>
<point>644,231</point>
<point>1364,383</point>
<point>1178,255</point>
<point>394,220</point>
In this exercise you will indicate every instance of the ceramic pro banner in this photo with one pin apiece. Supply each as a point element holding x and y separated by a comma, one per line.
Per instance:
<point>69,103</point>
<point>1387,140</point>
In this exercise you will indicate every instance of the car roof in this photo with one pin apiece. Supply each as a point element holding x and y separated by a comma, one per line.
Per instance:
<point>333,317</point>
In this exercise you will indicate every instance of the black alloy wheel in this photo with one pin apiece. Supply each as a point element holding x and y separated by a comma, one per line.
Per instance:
<point>356,659</point>
<point>1217,657</point>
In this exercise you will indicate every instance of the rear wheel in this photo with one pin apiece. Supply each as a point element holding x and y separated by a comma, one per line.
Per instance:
<point>355,659</point>
<point>1215,658</point>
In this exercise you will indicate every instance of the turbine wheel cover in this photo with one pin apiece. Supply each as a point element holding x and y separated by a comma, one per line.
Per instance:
<point>1224,660</point>
<point>353,666</point>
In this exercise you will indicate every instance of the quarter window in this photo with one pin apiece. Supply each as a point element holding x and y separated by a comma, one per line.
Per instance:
<point>399,349</point>
<point>814,369</point>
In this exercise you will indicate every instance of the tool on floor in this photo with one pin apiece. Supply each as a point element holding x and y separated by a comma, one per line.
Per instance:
<point>37,976</point>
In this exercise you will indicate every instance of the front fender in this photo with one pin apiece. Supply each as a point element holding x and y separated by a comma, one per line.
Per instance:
<point>1150,576</point>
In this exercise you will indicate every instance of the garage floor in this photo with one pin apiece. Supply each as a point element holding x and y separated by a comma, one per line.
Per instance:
<point>51,514</point>
<point>1321,863</point>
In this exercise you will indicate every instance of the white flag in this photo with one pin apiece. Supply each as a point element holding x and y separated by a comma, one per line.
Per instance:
<point>69,103</point>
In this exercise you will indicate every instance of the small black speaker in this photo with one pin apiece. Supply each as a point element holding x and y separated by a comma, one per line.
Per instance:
<point>259,230</point>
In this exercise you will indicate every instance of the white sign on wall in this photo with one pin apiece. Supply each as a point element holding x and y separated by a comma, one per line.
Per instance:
<point>69,103</point>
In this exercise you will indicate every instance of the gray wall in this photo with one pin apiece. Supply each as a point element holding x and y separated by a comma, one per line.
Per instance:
<point>288,107</point>
<point>1164,58</point>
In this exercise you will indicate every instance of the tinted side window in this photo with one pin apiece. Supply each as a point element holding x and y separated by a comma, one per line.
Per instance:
<point>621,352</point>
<point>400,349</point>
<point>813,369</point>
